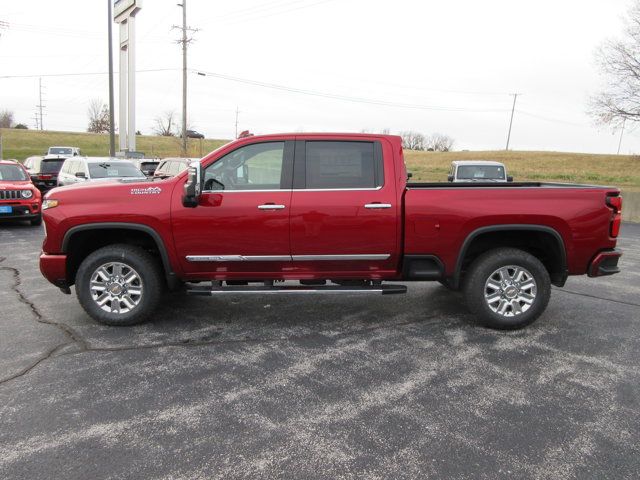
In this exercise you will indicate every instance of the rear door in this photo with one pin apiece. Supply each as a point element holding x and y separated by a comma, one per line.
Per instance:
<point>343,208</point>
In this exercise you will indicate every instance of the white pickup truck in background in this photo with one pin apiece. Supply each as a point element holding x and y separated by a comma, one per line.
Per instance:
<point>478,171</point>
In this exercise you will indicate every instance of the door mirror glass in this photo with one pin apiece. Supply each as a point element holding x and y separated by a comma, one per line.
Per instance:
<point>450,178</point>
<point>192,188</point>
<point>81,175</point>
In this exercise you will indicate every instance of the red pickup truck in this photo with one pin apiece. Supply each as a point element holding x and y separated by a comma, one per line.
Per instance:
<point>333,212</point>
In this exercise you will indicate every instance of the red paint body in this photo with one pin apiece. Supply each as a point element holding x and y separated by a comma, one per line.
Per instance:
<point>423,220</point>
<point>22,208</point>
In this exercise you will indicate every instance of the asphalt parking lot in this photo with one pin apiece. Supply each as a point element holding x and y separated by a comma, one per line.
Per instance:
<point>333,387</point>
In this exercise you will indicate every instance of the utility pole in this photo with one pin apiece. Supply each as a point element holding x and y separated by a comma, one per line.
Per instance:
<point>237,111</point>
<point>112,134</point>
<point>40,106</point>
<point>621,133</point>
<point>513,109</point>
<point>35,117</point>
<point>184,41</point>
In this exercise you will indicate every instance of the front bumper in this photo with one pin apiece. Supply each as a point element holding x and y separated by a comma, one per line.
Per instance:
<point>21,211</point>
<point>54,269</point>
<point>604,263</point>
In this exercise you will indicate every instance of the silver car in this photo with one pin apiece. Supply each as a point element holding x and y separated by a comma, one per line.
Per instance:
<point>87,169</point>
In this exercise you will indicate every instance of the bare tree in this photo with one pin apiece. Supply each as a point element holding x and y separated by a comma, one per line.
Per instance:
<point>6,119</point>
<point>386,131</point>
<point>98,113</point>
<point>439,142</point>
<point>165,126</point>
<point>413,140</point>
<point>619,62</point>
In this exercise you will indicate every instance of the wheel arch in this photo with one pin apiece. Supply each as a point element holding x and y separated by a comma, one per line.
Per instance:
<point>107,230</point>
<point>479,241</point>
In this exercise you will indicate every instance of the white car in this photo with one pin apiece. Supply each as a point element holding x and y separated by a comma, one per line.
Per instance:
<point>86,169</point>
<point>478,171</point>
<point>64,152</point>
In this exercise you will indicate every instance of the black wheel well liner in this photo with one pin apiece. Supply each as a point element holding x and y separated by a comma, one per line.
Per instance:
<point>558,274</point>
<point>118,226</point>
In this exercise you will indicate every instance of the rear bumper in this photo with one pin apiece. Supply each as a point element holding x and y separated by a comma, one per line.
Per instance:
<point>604,263</point>
<point>54,269</point>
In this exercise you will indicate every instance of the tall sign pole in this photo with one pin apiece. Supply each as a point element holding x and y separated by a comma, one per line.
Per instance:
<point>124,15</point>
<point>112,135</point>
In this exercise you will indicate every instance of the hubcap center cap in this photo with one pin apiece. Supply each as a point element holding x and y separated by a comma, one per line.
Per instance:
<point>116,289</point>
<point>511,292</point>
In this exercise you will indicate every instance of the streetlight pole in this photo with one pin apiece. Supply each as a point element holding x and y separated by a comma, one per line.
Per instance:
<point>184,78</point>
<point>112,135</point>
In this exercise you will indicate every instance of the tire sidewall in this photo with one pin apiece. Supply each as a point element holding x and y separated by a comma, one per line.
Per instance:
<point>488,263</point>
<point>137,259</point>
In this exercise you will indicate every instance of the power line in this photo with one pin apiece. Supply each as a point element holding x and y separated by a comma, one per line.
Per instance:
<point>80,74</point>
<point>347,98</point>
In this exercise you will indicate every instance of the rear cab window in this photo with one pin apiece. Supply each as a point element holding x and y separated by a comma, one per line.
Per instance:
<point>342,165</point>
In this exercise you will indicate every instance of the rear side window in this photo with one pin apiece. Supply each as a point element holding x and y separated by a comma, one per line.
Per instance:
<point>342,165</point>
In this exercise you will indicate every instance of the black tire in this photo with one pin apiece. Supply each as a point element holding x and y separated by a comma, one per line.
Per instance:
<point>150,280</point>
<point>35,222</point>
<point>481,271</point>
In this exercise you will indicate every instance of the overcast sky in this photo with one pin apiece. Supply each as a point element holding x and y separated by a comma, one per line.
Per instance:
<point>437,66</point>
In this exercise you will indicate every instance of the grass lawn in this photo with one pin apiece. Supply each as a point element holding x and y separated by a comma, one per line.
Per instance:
<point>20,144</point>
<point>615,170</point>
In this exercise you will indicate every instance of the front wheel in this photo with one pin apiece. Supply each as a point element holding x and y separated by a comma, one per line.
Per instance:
<point>507,288</point>
<point>119,285</point>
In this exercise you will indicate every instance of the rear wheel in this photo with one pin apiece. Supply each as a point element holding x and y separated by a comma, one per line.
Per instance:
<point>507,288</point>
<point>119,285</point>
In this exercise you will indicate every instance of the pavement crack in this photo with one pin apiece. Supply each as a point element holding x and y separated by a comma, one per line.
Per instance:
<point>41,359</point>
<point>597,297</point>
<point>40,318</point>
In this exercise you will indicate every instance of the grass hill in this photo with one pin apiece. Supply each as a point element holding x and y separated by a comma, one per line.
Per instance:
<point>617,170</point>
<point>20,144</point>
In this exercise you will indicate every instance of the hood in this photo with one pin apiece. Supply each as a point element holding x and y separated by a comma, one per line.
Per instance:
<point>22,185</point>
<point>113,185</point>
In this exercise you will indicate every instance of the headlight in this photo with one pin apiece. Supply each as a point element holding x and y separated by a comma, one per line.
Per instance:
<point>26,193</point>
<point>49,203</point>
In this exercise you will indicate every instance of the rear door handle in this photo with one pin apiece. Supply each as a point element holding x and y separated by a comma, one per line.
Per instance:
<point>377,205</point>
<point>270,206</point>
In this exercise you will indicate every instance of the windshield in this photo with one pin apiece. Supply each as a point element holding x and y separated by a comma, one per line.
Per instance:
<point>60,151</point>
<point>12,173</point>
<point>113,170</point>
<point>480,172</point>
<point>51,166</point>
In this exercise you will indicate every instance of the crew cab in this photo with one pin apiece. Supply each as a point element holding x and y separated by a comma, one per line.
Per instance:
<point>333,212</point>
<point>19,198</point>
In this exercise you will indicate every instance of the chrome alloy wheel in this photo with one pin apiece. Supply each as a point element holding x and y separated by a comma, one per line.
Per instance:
<point>116,287</point>
<point>510,291</point>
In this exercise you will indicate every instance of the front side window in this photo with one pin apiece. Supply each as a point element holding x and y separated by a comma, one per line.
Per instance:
<point>341,165</point>
<point>252,167</point>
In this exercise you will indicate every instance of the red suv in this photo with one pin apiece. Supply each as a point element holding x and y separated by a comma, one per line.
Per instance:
<point>19,198</point>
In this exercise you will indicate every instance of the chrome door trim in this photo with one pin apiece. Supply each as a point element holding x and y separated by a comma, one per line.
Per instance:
<point>377,205</point>
<point>238,258</point>
<point>298,190</point>
<point>329,258</point>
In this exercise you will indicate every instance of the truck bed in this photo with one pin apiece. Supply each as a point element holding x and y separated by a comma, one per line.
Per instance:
<point>424,185</point>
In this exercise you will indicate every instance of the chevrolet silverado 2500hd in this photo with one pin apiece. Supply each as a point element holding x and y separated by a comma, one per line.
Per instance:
<point>333,212</point>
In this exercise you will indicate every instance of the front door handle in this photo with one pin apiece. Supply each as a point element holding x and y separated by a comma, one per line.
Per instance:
<point>270,206</point>
<point>377,205</point>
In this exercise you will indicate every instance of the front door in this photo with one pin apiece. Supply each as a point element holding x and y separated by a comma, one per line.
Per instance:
<point>241,226</point>
<point>344,213</point>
